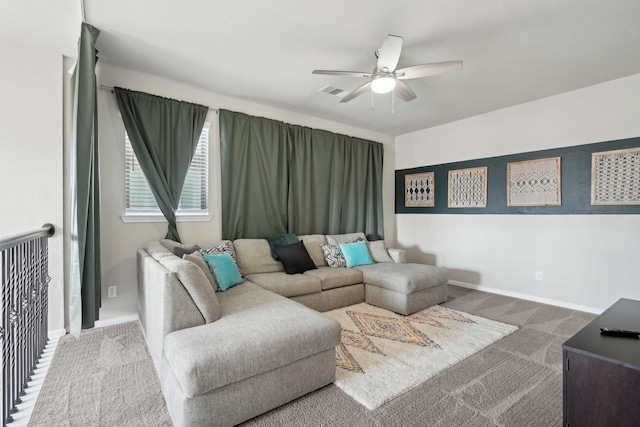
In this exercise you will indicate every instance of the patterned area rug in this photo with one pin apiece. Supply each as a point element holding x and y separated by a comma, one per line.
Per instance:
<point>384,354</point>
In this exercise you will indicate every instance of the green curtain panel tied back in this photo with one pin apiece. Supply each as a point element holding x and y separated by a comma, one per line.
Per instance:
<point>164,134</point>
<point>282,178</point>
<point>85,274</point>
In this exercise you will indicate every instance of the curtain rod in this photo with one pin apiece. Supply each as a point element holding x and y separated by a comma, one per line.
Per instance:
<point>110,89</point>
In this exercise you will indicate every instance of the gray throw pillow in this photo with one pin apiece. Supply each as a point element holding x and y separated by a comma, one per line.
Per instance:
<point>198,260</point>
<point>202,294</point>
<point>379,252</point>
<point>180,252</point>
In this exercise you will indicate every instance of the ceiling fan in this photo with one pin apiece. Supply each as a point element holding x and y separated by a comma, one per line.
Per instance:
<point>386,78</point>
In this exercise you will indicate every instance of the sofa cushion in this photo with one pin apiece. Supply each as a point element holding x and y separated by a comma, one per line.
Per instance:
<point>254,256</point>
<point>171,244</point>
<point>263,332</point>
<point>198,260</point>
<point>313,243</point>
<point>280,240</point>
<point>224,270</point>
<point>403,278</point>
<point>378,251</point>
<point>287,285</point>
<point>335,239</point>
<point>295,258</point>
<point>336,277</point>
<point>356,253</point>
<point>196,284</point>
<point>333,256</point>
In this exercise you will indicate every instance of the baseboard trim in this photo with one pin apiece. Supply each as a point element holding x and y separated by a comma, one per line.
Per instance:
<point>527,297</point>
<point>116,320</point>
<point>57,333</point>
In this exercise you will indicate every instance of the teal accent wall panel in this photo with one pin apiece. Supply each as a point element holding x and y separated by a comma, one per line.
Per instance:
<point>575,183</point>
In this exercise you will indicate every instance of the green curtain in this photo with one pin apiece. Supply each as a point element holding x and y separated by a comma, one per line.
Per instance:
<point>297,180</point>
<point>254,156</point>
<point>164,134</point>
<point>85,276</point>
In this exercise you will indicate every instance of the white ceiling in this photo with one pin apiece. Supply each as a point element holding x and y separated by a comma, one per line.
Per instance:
<point>264,51</point>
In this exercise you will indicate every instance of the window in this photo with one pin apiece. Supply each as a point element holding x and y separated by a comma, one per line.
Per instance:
<point>140,205</point>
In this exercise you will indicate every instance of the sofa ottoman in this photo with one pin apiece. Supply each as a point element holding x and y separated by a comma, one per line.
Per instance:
<point>404,288</point>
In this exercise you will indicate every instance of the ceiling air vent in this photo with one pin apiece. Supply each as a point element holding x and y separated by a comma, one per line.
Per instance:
<point>330,90</point>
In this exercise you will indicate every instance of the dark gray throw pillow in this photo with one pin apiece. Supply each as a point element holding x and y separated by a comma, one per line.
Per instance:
<point>280,240</point>
<point>295,258</point>
<point>178,251</point>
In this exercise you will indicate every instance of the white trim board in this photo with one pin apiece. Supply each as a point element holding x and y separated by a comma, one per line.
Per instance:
<point>116,320</point>
<point>56,334</point>
<point>526,297</point>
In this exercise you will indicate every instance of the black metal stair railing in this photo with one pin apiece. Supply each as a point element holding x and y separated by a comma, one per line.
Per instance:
<point>24,280</point>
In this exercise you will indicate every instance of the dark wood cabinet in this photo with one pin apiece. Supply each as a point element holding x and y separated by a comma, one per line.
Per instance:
<point>601,375</point>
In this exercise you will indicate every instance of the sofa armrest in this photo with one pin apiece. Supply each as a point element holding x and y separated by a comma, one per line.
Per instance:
<point>164,305</point>
<point>399,256</point>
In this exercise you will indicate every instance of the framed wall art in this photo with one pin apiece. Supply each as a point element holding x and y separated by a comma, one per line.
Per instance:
<point>467,188</point>
<point>600,178</point>
<point>419,190</point>
<point>534,182</point>
<point>615,177</point>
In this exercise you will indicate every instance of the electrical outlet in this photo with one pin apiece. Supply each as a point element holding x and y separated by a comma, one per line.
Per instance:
<point>112,291</point>
<point>539,275</point>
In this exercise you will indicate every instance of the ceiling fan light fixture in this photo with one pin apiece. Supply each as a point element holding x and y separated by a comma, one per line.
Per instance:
<point>383,83</point>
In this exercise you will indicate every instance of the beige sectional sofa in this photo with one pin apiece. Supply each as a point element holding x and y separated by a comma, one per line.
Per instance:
<point>221,355</point>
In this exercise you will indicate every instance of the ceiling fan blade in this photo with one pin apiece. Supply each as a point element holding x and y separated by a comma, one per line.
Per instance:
<point>404,92</point>
<point>343,73</point>
<point>362,89</point>
<point>389,53</point>
<point>426,70</point>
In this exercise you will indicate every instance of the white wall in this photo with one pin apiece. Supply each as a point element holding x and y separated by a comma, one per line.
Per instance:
<point>587,261</point>
<point>31,159</point>
<point>119,240</point>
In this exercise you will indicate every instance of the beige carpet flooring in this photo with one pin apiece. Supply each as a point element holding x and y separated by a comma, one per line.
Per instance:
<point>103,378</point>
<point>106,378</point>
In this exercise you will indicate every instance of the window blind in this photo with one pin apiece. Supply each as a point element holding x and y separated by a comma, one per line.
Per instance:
<point>195,193</point>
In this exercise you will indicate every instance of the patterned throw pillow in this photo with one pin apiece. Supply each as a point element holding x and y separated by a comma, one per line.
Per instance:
<point>333,255</point>
<point>226,246</point>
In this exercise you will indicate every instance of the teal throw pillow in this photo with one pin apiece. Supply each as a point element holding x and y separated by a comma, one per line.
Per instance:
<point>280,240</point>
<point>356,253</point>
<point>224,270</point>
